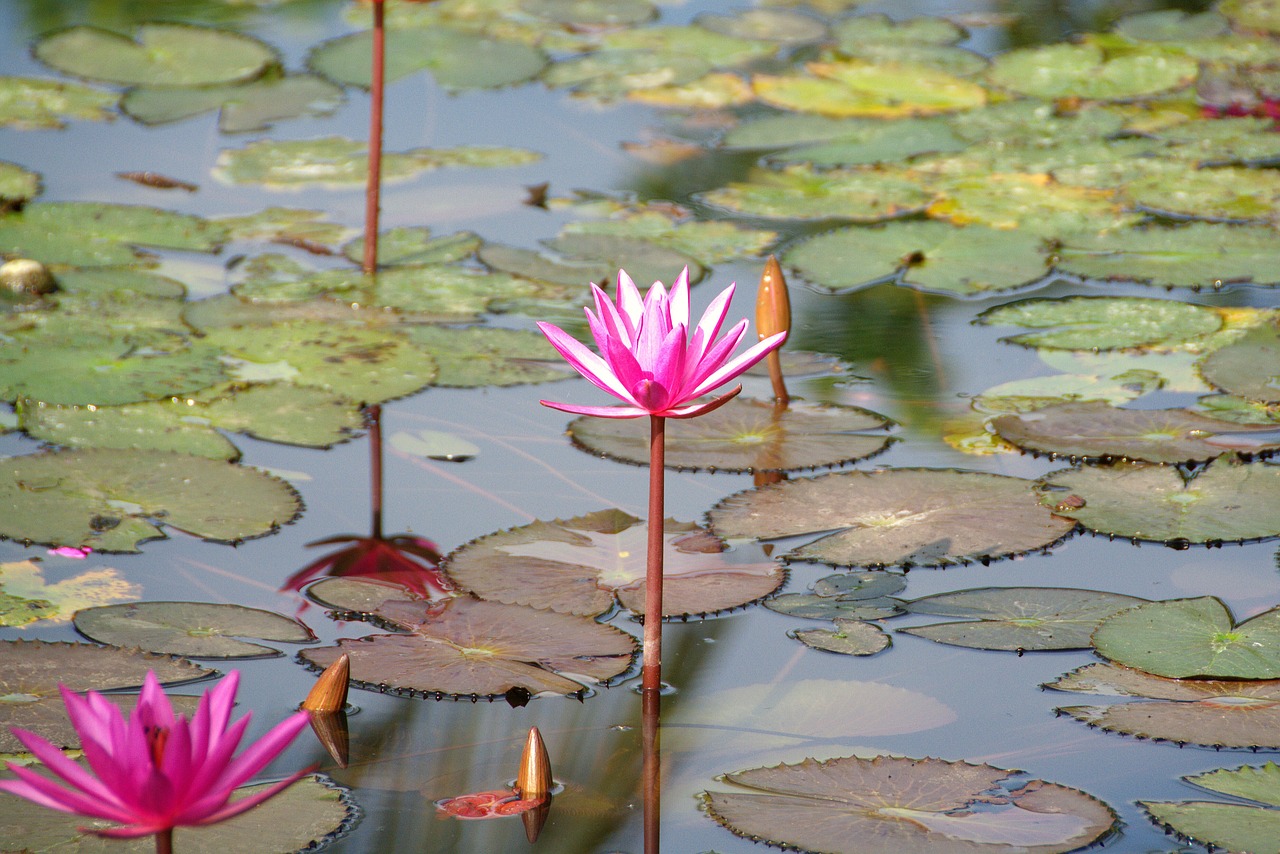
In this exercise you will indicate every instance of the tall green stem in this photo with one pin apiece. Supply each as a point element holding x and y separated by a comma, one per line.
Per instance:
<point>651,670</point>
<point>373,186</point>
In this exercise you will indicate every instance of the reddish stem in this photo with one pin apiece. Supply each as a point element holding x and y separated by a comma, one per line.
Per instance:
<point>651,670</point>
<point>651,770</point>
<point>374,416</point>
<point>164,841</point>
<point>373,187</point>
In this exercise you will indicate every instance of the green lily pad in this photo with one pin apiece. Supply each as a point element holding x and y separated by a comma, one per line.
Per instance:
<point>710,242</point>
<point>849,637</point>
<point>290,226</point>
<point>1227,193</point>
<point>1249,367</point>
<point>573,273</point>
<point>335,161</point>
<point>896,517</point>
<point>250,107</point>
<point>1103,323</point>
<point>416,246</point>
<point>1252,14</point>
<point>718,49</point>
<point>1084,71</point>
<point>646,261</point>
<point>799,192</point>
<point>1097,431</point>
<point>110,282</point>
<point>1240,410</point>
<point>868,141</point>
<point>612,74</point>
<point>775,25</point>
<point>1175,370</point>
<point>477,356</point>
<point>896,804</point>
<point>192,629</point>
<point>855,87</point>
<point>86,234</point>
<point>17,186</point>
<point>1229,826</point>
<point>456,59</point>
<point>434,445</point>
<point>1222,503</point>
<point>27,598</point>
<point>306,815</point>
<point>30,672</point>
<point>932,256</point>
<point>589,564</point>
<point>1034,393</point>
<point>169,55</point>
<point>1033,203</point>
<point>114,500</point>
<point>1171,25</point>
<point>744,436</point>
<point>956,62</point>
<point>1197,255</point>
<point>859,30</point>
<point>1218,713</point>
<point>35,103</point>
<point>1182,638</point>
<point>469,647</point>
<point>1018,618</point>
<point>592,14</point>
<point>808,606</point>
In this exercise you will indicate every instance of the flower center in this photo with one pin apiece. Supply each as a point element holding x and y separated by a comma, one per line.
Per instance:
<point>157,738</point>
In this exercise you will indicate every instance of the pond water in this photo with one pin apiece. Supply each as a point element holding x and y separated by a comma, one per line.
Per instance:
<point>744,694</point>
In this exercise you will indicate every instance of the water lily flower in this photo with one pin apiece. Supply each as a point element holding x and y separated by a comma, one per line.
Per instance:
<point>649,357</point>
<point>156,770</point>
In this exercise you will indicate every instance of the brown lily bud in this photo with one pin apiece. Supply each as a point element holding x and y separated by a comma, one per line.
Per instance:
<point>329,694</point>
<point>331,731</point>
<point>773,315</point>
<point>534,779</point>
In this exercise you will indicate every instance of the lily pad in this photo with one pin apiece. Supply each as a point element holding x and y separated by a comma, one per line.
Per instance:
<point>169,55</point>
<point>1084,71</point>
<point>744,436</point>
<point>613,74</point>
<point>306,815</point>
<point>335,161</point>
<point>932,256</point>
<point>26,598</point>
<point>114,500</point>
<point>35,103</point>
<point>469,647</point>
<point>896,517</point>
<point>1209,712</point>
<point>112,281</point>
<point>1229,826</point>
<point>1249,367</point>
<point>17,185</point>
<point>809,606</point>
<point>859,30</point>
<point>1222,503</point>
<point>193,629</point>
<point>709,241</point>
<point>864,142</point>
<point>799,192</point>
<point>1097,431</point>
<point>1034,203</point>
<point>1226,193</point>
<point>589,564</point>
<point>855,87</point>
<point>896,804</point>
<point>88,234</point>
<point>849,637</point>
<point>645,260</point>
<point>416,246</point>
<point>777,25</point>
<point>290,226</point>
<point>251,107</point>
<point>1018,618</point>
<point>592,14</point>
<point>1197,255</point>
<point>1103,323</point>
<point>718,49</point>
<point>477,356</point>
<point>434,445</point>
<point>1183,638</point>
<point>30,672</point>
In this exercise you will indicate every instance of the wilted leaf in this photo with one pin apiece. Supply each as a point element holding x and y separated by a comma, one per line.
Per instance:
<point>195,629</point>
<point>28,599</point>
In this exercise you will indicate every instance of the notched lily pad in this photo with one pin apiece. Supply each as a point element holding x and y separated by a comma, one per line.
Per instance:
<point>884,89</point>
<point>849,637</point>
<point>17,186</point>
<point>194,629</point>
<point>241,109</point>
<point>799,192</point>
<point>475,356</point>
<point>745,436</point>
<point>25,598</point>
<point>1197,255</point>
<point>889,805</point>
<point>1249,367</point>
<point>896,517</point>
<point>1229,826</point>
<point>845,595</point>
<point>587,564</point>
<point>89,234</point>
<point>1085,71</point>
<point>469,647</point>
<point>35,103</point>
<point>1103,323</point>
<point>114,500</point>
<point>1018,618</point>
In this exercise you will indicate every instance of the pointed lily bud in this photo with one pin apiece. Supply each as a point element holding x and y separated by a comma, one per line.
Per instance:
<point>534,779</point>
<point>773,315</point>
<point>329,694</point>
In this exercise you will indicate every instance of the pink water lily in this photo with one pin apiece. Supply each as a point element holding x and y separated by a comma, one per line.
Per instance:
<point>649,357</point>
<point>156,770</point>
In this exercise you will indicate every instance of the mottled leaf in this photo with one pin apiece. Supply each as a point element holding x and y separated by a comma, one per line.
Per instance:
<point>31,102</point>
<point>194,629</point>
<point>1084,71</point>
<point>849,637</point>
<point>476,356</point>
<point>1103,323</point>
<point>87,234</point>
<point>801,193</point>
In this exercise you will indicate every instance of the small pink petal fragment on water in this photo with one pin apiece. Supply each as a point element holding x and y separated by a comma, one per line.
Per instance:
<point>71,552</point>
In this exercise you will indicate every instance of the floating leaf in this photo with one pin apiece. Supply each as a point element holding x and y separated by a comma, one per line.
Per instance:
<point>1230,826</point>
<point>86,234</point>
<point>589,564</point>
<point>890,804</point>
<point>30,102</point>
<point>1252,15</point>
<point>849,637</point>
<point>854,32</point>
<point>906,517</point>
<point>469,647</point>
<point>1197,255</point>
<point>170,55</point>
<point>110,282</point>
<point>1209,712</point>
<point>1234,194</point>
<point>801,193</point>
<point>26,598</point>
<point>1084,71</point>
<point>1183,638</point>
<point>612,74</point>
<point>884,90</point>
<point>1103,323</point>
<point>251,107</point>
<point>808,606</point>
<point>1097,431</point>
<point>1249,367</point>
<point>193,629</point>
<point>335,161</point>
<point>866,142</point>
<point>434,445</point>
<point>291,226</point>
<point>709,241</point>
<point>17,186</point>
<point>718,49</point>
<point>1241,410</point>
<point>1034,393</point>
<point>475,357</point>
<point>591,14</point>
<point>306,815</point>
<point>1018,618</point>
<point>360,594</point>
<point>30,672</point>
<point>1034,203</point>
<point>929,255</point>
<point>114,500</point>
<point>416,246</point>
<point>1171,25</point>
<point>646,261</point>
<point>1221,503</point>
<point>456,60</point>
<point>744,436</point>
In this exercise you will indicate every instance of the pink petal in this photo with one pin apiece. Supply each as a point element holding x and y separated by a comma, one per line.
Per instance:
<point>598,411</point>
<point>629,302</point>
<point>702,408</point>
<point>584,361</point>
<point>713,319</point>
<point>715,357</point>
<point>262,751</point>
<point>736,367</point>
<point>241,805</point>
<point>678,300</point>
